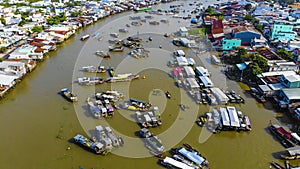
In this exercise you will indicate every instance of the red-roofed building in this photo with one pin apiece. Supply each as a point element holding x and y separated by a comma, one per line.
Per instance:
<point>217,29</point>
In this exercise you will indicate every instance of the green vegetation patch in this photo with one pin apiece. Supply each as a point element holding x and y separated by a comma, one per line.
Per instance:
<point>197,32</point>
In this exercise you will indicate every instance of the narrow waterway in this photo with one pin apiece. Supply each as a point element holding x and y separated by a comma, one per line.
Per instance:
<point>37,125</point>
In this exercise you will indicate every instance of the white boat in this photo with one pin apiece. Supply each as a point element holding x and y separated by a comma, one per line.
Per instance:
<point>87,81</point>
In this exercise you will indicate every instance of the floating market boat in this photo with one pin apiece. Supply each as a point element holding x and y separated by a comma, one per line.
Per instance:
<point>276,165</point>
<point>93,69</point>
<point>152,141</point>
<point>123,30</point>
<point>94,146</point>
<point>85,37</point>
<point>102,137</point>
<point>135,104</point>
<point>112,136</point>
<point>111,71</point>
<point>94,109</point>
<point>68,95</point>
<point>292,153</point>
<point>115,35</point>
<point>168,95</point>
<point>116,48</point>
<point>193,156</point>
<point>171,163</point>
<point>281,135</point>
<point>137,9</point>
<point>87,81</point>
<point>149,119</point>
<point>122,78</point>
<point>102,54</point>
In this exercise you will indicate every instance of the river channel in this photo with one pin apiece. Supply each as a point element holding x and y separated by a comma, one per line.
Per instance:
<point>37,125</point>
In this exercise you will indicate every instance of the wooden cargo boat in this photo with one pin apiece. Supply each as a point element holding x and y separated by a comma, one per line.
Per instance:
<point>96,147</point>
<point>116,48</point>
<point>68,95</point>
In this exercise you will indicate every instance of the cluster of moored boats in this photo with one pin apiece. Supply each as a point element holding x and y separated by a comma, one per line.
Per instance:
<point>137,105</point>
<point>196,80</point>
<point>102,142</point>
<point>184,157</point>
<point>149,119</point>
<point>104,103</point>
<point>88,81</point>
<point>227,118</point>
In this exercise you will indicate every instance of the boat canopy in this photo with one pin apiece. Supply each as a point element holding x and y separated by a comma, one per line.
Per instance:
<point>192,83</point>
<point>136,100</point>
<point>296,136</point>
<point>206,81</point>
<point>293,150</point>
<point>220,95</point>
<point>234,119</point>
<point>225,117</point>
<point>201,71</point>
<point>193,156</point>
<point>176,163</point>
<point>189,71</point>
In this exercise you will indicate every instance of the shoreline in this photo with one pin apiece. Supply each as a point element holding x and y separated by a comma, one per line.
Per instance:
<point>62,43</point>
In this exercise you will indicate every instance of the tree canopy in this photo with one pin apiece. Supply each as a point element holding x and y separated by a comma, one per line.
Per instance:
<point>37,29</point>
<point>285,54</point>
<point>248,7</point>
<point>57,19</point>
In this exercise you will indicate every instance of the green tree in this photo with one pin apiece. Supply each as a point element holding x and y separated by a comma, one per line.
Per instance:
<point>210,11</point>
<point>220,17</point>
<point>3,21</point>
<point>248,7</point>
<point>285,54</point>
<point>249,18</point>
<point>259,27</point>
<point>2,49</point>
<point>37,29</point>
<point>23,22</point>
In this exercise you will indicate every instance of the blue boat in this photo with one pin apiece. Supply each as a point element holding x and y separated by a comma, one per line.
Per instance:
<point>98,148</point>
<point>193,156</point>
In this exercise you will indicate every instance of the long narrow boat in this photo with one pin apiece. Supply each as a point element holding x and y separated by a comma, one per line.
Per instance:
<point>97,147</point>
<point>193,156</point>
<point>291,153</point>
<point>93,69</point>
<point>283,140</point>
<point>68,95</point>
<point>276,165</point>
<point>87,81</point>
<point>85,37</point>
<point>122,78</point>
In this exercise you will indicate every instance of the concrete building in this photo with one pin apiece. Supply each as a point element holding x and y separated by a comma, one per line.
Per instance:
<point>283,31</point>
<point>230,44</point>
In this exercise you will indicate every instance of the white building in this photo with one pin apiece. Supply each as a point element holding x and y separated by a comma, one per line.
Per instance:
<point>13,68</point>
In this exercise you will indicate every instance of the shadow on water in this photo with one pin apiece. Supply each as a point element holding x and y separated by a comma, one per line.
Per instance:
<point>276,155</point>
<point>87,112</point>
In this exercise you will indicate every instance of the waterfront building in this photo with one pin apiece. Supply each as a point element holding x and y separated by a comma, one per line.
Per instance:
<point>289,97</point>
<point>13,68</point>
<point>283,31</point>
<point>6,82</point>
<point>246,34</point>
<point>230,44</point>
<point>291,81</point>
<point>217,29</point>
<point>183,31</point>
